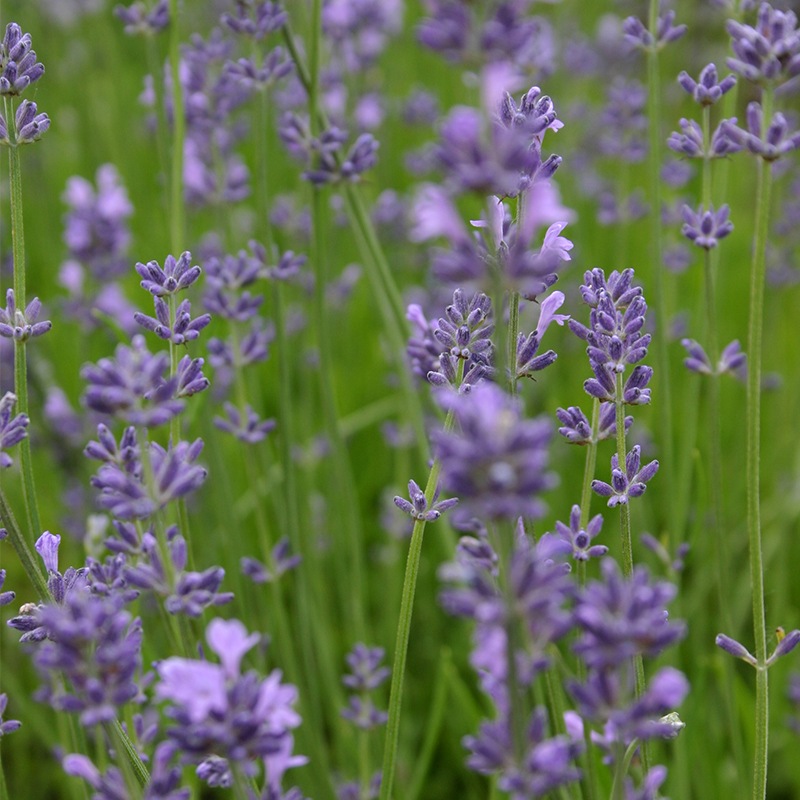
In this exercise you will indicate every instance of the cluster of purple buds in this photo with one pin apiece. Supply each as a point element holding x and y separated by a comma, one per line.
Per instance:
<point>281,562</point>
<point>627,483</point>
<point>18,70</point>
<point>732,359</point>
<point>786,643</point>
<point>576,428</point>
<point>164,784</point>
<point>13,428</point>
<point>184,592</point>
<point>705,227</point>
<point>124,488</point>
<point>223,719</point>
<point>358,30</point>
<point>325,156</point>
<point>707,89</point>
<point>366,674</point>
<point>9,725</point>
<point>620,619</point>
<point>689,143</point>
<point>139,20</point>
<point>275,66</point>
<point>771,143</point>
<point>768,52</point>
<point>499,33</point>
<point>181,329</point>
<point>255,20</point>
<point>637,35</point>
<point>132,386</point>
<point>247,427</point>
<point>614,336</point>
<point>419,509</point>
<point>496,461</point>
<point>580,538</point>
<point>22,325</point>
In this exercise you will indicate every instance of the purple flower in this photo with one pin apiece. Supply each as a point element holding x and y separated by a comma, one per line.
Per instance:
<point>125,493</point>
<point>576,428</point>
<point>706,227</point>
<point>190,377</point>
<point>580,539</point>
<point>29,125</point>
<point>621,617</point>
<point>731,360</point>
<point>141,21</point>
<point>770,144</point>
<point>637,35</point>
<point>630,483</point>
<point>418,507</point>
<point>5,597</point>
<point>768,51</point>
<point>181,330</point>
<point>217,710</point>
<point>275,65</point>
<point>281,561</point>
<point>132,386</point>
<point>546,763</point>
<point>21,326</point>
<point>466,328</point>
<point>255,20</point>
<point>226,278</point>
<point>497,462</point>
<point>13,429</point>
<point>176,275</point>
<point>690,144</point>
<point>334,166</point>
<point>708,89</point>
<point>366,673</point>
<point>9,725</point>
<point>247,427</point>
<point>18,65</point>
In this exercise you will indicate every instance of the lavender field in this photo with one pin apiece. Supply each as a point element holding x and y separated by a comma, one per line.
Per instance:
<point>399,399</point>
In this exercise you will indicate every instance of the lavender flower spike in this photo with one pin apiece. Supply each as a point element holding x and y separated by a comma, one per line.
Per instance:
<point>706,227</point>
<point>18,65</point>
<point>21,326</point>
<point>770,144</point>
<point>29,125</point>
<point>707,90</point>
<point>637,35</point>
<point>580,539</point>
<point>174,277</point>
<point>630,483</point>
<point>12,429</point>
<point>9,725</point>
<point>418,507</point>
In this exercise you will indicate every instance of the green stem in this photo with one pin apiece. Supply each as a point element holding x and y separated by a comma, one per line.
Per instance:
<point>177,223</point>
<point>20,544</point>
<point>513,333</point>
<point>654,180</point>
<point>3,788</point>
<point>754,356</point>
<point>20,358</point>
<point>590,466</point>
<point>404,626</point>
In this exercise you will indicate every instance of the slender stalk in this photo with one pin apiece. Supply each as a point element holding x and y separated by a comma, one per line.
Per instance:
<point>513,333</point>
<point>177,215</point>
<point>3,788</point>
<point>404,626</point>
<point>657,269</point>
<point>590,466</point>
<point>20,544</point>
<point>20,358</point>
<point>754,355</point>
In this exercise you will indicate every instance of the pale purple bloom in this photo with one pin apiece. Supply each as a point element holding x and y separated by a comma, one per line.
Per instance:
<point>649,788</point>
<point>706,227</point>
<point>176,275</point>
<point>18,65</point>
<point>628,483</point>
<point>13,429</point>
<point>132,386</point>
<point>708,89</point>
<point>181,330</point>
<point>579,538</point>
<point>497,463</point>
<point>22,325</point>
<point>281,561</point>
<point>768,51</point>
<point>731,360</point>
<point>247,427</point>
<point>255,19</point>
<point>275,65</point>
<point>125,493</point>
<point>139,20</point>
<point>771,143</point>
<point>637,35</point>
<point>418,508</point>
<point>434,214</point>
<point>9,725</point>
